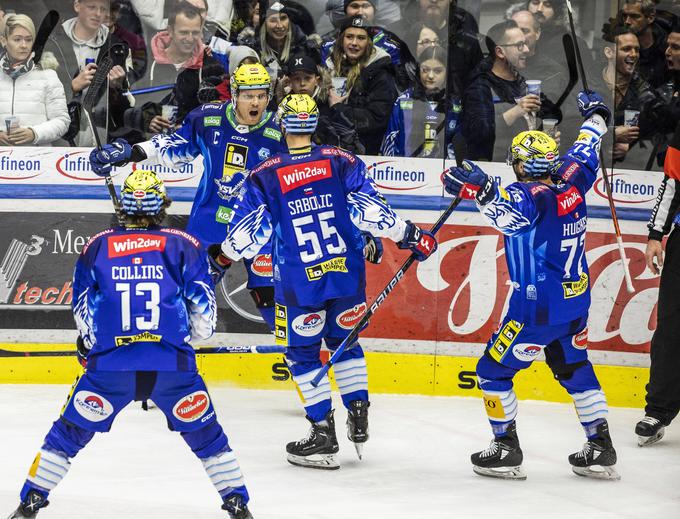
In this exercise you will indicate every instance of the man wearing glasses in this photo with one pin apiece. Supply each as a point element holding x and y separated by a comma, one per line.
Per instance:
<point>497,105</point>
<point>232,138</point>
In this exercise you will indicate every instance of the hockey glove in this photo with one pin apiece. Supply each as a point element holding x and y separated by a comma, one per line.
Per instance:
<point>373,248</point>
<point>116,153</point>
<point>591,103</point>
<point>218,262</point>
<point>481,185</point>
<point>422,243</point>
<point>82,351</point>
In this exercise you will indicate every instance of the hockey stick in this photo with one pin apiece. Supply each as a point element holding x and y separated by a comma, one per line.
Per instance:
<point>603,168</point>
<point>207,350</point>
<point>46,27</point>
<point>568,44</point>
<point>380,299</point>
<point>100,76</point>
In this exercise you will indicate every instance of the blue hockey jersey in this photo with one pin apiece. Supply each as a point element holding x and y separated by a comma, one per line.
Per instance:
<point>140,296</point>
<point>313,204</point>
<point>228,149</point>
<point>545,230</point>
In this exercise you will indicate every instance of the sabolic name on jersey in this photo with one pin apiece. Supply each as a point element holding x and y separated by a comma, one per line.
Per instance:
<point>294,176</point>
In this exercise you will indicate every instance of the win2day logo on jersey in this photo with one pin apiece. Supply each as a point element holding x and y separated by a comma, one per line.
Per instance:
<point>128,244</point>
<point>294,176</point>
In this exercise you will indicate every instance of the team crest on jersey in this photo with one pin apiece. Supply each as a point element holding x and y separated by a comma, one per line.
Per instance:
<point>281,325</point>
<point>506,337</point>
<point>309,325</point>
<point>264,153</point>
<point>575,288</point>
<point>235,157</point>
<point>91,406</point>
<point>294,176</point>
<point>129,244</point>
<point>316,272</point>
<point>568,201</point>
<point>191,407</point>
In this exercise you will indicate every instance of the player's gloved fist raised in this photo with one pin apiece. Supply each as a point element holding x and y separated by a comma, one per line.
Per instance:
<point>422,243</point>
<point>473,176</point>
<point>101,160</point>
<point>219,263</point>
<point>82,351</point>
<point>373,248</point>
<point>591,103</point>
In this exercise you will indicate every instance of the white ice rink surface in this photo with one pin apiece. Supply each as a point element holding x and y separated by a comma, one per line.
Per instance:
<point>416,464</point>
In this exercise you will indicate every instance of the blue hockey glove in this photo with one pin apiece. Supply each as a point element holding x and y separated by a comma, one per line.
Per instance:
<point>472,175</point>
<point>373,248</point>
<point>590,103</point>
<point>101,160</point>
<point>422,243</point>
<point>218,262</point>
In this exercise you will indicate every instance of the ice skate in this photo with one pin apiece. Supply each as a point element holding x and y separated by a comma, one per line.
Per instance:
<point>357,424</point>
<point>30,507</point>
<point>597,459</point>
<point>649,430</point>
<point>317,450</point>
<point>236,508</point>
<point>503,458</point>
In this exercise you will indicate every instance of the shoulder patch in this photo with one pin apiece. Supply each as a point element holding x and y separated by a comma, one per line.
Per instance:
<point>331,151</point>
<point>211,106</point>
<point>538,189</point>
<point>272,133</point>
<point>95,238</point>
<point>212,120</point>
<point>183,234</point>
<point>273,161</point>
<point>406,104</point>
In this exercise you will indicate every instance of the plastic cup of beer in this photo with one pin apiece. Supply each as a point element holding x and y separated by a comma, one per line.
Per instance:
<point>534,86</point>
<point>12,122</point>
<point>550,126</point>
<point>339,84</point>
<point>631,117</point>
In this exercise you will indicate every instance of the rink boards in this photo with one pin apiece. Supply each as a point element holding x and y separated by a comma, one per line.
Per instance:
<point>425,338</point>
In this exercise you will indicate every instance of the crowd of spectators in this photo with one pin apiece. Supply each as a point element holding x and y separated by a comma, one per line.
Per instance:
<point>414,78</point>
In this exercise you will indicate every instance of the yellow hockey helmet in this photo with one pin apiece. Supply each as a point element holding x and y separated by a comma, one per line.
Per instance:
<point>143,194</point>
<point>251,76</point>
<point>537,151</point>
<point>298,113</point>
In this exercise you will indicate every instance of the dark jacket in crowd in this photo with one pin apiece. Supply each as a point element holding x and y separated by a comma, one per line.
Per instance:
<point>652,64</point>
<point>370,101</point>
<point>484,102</point>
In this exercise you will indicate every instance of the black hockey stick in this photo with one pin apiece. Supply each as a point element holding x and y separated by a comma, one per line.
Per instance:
<point>568,44</point>
<point>46,27</point>
<point>207,350</point>
<point>380,299</point>
<point>603,168</point>
<point>103,68</point>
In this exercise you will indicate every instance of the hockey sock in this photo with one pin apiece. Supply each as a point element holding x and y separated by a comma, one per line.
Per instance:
<point>317,400</point>
<point>351,375</point>
<point>501,408</point>
<point>591,407</point>
<point>225,473</point>
<point>46,472</point>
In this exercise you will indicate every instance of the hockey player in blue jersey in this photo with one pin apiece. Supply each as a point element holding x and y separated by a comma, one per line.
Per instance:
<point>543,217</point>
<point>141,294</point>
<point>314,202</point>
<point>231,138</point>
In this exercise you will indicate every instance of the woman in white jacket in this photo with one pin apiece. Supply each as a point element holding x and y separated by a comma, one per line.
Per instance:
<point>32,100</point>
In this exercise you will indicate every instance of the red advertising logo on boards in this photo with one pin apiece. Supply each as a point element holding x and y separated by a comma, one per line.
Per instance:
<point>568,201</point>
<point>128,244</point>
<point>297,175</point>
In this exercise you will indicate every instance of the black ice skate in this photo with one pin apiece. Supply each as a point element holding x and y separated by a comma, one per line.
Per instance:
<point>30,507</point>
<point>236,508</point>
<point>357,424</point>
<point>597,459</point>
<point>318,449</point>
<point>649,430</point>
<point>503,458</point>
